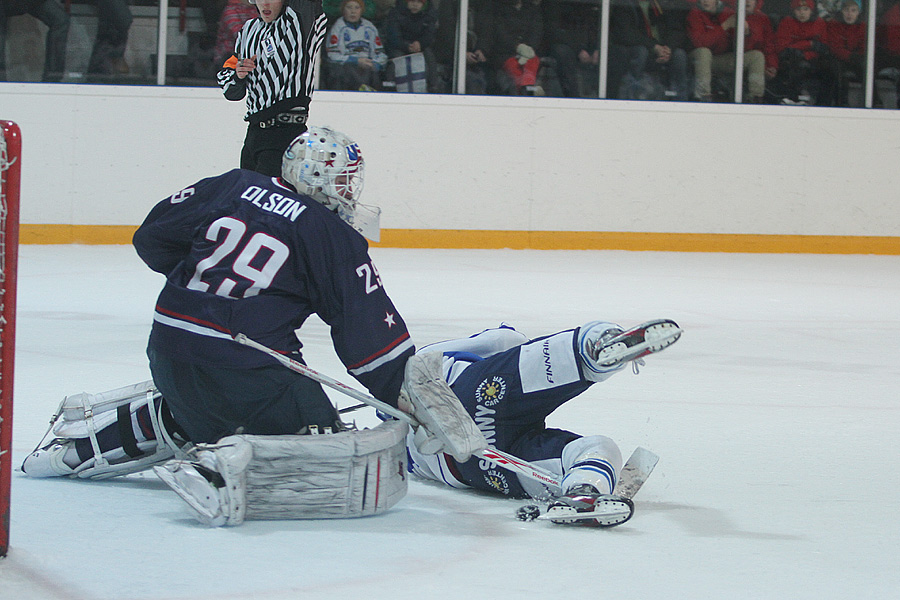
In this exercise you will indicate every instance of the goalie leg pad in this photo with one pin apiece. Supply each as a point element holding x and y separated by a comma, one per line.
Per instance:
<point>445,424</point>
<point>331,476</point>
<point>83,416</point>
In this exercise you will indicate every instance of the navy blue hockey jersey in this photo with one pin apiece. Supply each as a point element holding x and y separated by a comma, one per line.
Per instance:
<point>245,253</point>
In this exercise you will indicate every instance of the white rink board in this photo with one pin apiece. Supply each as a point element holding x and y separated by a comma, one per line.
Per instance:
<point>103,155</point>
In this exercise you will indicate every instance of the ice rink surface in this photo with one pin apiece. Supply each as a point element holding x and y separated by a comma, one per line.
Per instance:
<point>776,418</point>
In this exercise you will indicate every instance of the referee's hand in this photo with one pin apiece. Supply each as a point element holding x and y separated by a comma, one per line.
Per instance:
<point>245,65</point>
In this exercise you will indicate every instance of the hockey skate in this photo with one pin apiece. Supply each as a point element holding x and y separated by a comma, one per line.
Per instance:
<point>584,506</point>
<point>606,348</point>
<point>48,460</point>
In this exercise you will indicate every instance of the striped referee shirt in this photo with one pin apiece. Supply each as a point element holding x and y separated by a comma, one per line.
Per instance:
<point>287,51</point>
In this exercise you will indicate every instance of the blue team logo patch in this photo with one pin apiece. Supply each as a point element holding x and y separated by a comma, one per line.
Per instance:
<point>269,47</point>
<point>491,391</point>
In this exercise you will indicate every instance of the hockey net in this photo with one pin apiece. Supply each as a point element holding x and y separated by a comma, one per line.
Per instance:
<point>10,165</point>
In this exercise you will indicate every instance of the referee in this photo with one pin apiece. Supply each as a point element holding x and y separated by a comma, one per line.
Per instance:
<point>274,67</point>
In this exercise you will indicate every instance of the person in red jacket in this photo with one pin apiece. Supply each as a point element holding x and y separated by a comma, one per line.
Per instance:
<point>761,37</point>
<point>802,54</point>
<point>846,38</point>
<point>711,27</point>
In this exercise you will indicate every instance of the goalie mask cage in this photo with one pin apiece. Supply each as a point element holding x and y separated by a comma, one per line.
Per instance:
<point>10,164</point>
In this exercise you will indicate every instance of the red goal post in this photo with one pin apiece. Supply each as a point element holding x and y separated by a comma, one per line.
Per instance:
<point>10,171</point>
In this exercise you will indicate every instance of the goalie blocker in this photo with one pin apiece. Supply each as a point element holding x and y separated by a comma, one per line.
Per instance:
<point>326,476</point>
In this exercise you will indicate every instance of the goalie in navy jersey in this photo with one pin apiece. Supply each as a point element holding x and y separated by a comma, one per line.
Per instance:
<point>245,253</point>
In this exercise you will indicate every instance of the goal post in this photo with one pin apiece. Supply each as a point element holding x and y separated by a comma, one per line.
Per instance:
<point>10,177</point>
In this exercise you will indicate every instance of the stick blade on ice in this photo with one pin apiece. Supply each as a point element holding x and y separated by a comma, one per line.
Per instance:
<point>635,472</point>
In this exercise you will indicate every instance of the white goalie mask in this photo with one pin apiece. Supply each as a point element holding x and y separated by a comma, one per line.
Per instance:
<point>328,166</point>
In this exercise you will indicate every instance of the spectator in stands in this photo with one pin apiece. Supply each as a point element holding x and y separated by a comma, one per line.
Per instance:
<point>572,31</point>
<point>409,28</point>
<point>333,10</point>
<point>648,49</point>
<point>52,14</point>
<point>887,56</point>
<point>234,15</point>
<point>478,44</point>
<point>761,37</point>
<point>712,29</point>
<point>846,38</point>
<point>113,23</point>
<point>803,55</point>
<point>518,30</point>
<point>356,57</point>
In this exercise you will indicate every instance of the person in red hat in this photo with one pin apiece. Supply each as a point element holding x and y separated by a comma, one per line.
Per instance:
<point>802,55</point>
<point>847,42</point>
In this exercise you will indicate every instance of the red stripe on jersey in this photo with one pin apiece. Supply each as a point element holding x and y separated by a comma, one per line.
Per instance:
<point>381,352</point>
<point>182,317</point>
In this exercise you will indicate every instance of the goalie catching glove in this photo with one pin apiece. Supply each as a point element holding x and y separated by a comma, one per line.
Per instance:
<point>444,425</point>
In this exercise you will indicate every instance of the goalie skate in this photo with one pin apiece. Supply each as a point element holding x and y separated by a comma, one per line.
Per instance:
<point>584,506</point>
<point>632,345</point>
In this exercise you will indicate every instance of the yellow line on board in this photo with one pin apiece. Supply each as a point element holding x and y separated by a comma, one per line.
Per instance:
<point>536,240</point>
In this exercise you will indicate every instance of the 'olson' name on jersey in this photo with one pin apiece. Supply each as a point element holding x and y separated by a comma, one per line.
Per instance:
<point>267,200</point>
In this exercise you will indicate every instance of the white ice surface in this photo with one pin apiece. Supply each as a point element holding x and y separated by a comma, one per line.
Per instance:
<point>776,419</point>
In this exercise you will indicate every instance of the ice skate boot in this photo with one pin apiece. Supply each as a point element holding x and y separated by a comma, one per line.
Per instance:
<point>605,348</point>
<point>584,506</point>
<point>49,460</point>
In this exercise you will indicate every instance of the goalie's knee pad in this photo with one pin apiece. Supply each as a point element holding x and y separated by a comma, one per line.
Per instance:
<point>329,476</point>
<point>85,417</point>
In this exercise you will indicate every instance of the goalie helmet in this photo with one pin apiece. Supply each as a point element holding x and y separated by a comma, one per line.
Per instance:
<point>328,166</point>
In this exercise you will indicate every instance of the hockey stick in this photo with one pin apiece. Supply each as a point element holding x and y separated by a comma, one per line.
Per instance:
<point>501,459</point>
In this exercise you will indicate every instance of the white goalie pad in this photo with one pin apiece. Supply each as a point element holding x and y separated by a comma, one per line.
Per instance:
<point>328,476</point>
<point>83,415</point>
<point>445,424</point>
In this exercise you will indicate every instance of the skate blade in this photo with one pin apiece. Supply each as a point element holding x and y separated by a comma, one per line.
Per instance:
<point>609,514</point>
<point>657,337</point>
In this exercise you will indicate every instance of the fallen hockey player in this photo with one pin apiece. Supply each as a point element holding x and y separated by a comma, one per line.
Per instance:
<point>244,253</point>
<point>509,384</point>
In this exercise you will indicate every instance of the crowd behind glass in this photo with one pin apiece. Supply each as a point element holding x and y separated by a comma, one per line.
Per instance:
<point>815,52</point>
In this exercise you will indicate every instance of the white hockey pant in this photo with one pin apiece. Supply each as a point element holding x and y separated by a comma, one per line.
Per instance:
<point>594,460</point>
<point>326,476</point>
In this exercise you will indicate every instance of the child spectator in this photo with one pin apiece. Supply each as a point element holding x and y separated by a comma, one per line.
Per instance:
<point>846,38</point>
<point>356,57</point>
<point>711,27</point>
<point>334,10</point>
<point>410,28</point>
<point>761,36</point>
<point>518,32</point>
<point>234,15</point>
<point>800,42</point>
